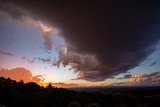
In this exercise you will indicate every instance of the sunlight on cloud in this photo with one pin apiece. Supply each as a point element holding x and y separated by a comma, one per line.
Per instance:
<point>44,27</point>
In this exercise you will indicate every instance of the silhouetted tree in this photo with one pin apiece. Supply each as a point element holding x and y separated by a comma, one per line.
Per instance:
<point>30,94</point>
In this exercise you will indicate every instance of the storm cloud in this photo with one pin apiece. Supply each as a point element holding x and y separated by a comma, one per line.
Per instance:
<point>119,35</point>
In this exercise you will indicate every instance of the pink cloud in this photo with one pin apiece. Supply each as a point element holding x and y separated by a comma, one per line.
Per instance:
<point>20,74</point>
<point>17,74</point>
<point>146,79</point>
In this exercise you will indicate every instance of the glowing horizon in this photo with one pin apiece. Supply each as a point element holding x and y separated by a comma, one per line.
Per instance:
<point>38,48</point>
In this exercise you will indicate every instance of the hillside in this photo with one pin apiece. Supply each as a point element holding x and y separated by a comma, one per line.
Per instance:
<point>18,94</point>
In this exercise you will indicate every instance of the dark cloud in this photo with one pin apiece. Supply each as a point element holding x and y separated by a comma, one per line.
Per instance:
<point>127,76</point>
<point>77,61</point>
<point>120,35</point>
<point>152,74</point>
<point>44,60</point>
<point>48,60</point>
<point>6,53</point>
<point>14,12</point>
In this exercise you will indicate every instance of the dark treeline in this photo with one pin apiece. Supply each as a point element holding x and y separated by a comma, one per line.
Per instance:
<point>20,94</point>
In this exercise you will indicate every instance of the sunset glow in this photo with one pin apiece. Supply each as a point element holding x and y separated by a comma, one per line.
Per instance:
<point>35,49</point>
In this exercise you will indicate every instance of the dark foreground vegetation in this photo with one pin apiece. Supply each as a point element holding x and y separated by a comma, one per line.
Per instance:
<point>20,94</point>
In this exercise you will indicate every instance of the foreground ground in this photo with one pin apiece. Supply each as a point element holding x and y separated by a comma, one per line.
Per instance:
<point>19,94</point>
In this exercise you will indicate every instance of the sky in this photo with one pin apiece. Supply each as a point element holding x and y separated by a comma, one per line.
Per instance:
<point>80,44</point>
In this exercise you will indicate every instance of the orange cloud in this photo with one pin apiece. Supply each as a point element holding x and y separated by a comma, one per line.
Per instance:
<point>17,74</point>
<point>137,79</point>
<point>38,78</point>
<point>26,75</point>
<point>146,79</point>
<point>64,85</point>
<point>21,74</point>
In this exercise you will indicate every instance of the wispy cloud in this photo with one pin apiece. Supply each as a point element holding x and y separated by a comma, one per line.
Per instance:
<point>116,84</point>
<point>6,53</point>
<point>153,63</point>
<point>47,35</point>
<point>64,85</point>
<point>29,60</point>
<point>38,78</point>
<point>127,76</point>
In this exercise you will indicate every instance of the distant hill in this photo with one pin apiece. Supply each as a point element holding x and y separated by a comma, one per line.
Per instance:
<point>20,94</point>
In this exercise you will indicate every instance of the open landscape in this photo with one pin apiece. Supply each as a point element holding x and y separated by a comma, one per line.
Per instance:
<point>19,94</point>
<point>79,53</point>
